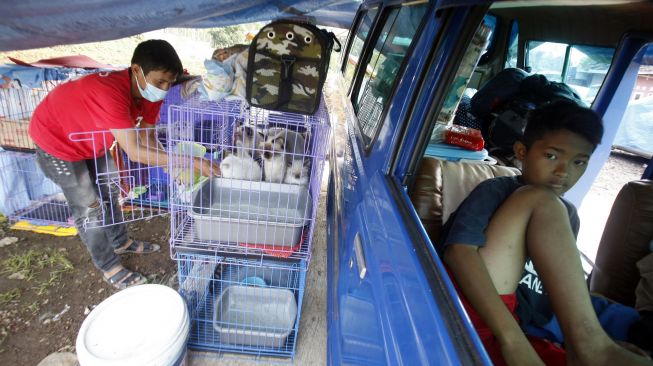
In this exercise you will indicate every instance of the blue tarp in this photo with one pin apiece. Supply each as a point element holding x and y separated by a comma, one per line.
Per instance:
<point>30,24</point>
<point>32,77</point>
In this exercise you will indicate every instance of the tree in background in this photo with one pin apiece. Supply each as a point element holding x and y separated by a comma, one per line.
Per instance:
<point>230,35</point>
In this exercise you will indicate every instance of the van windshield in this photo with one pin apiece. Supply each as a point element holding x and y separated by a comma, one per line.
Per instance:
<point>581,67</point>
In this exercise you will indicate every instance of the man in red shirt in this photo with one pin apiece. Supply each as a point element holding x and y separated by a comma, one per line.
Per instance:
<point>70,128</point>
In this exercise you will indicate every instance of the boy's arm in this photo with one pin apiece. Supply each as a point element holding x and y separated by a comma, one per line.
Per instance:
<point>474,281</point>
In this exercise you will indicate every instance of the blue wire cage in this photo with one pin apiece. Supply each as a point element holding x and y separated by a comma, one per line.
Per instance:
<point>242,306</point>
<point>26,194</point>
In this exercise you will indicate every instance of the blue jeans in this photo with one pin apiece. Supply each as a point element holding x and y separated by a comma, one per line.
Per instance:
<point>94,206</point>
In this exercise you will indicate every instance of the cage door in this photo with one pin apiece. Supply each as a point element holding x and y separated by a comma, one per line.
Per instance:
<point>131,183</point>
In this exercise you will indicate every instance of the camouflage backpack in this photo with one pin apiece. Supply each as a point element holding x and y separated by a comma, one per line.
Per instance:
<point>287,65</point>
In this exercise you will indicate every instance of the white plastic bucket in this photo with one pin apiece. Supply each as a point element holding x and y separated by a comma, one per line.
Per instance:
<point>140,326</point>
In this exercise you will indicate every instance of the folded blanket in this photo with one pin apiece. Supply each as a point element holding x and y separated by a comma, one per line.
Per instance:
<point>223,80</point>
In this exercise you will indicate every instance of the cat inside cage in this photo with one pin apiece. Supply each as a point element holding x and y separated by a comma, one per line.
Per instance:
<point>266,196</point>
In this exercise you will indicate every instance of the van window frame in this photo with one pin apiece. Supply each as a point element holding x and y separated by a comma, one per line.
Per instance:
<point>352,38</point>
<point>372,38</point>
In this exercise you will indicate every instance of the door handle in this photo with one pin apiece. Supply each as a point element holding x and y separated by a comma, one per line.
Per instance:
<point>360,256</point>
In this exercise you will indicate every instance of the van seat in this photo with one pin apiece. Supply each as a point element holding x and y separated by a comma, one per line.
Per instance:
<point>440,187</point>
<point>625,241</point>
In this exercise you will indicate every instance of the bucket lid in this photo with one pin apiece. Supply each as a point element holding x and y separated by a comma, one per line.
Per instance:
<point>142,325</point>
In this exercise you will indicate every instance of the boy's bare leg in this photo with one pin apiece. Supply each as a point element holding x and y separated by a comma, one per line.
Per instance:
<point>495,269</point>
<point>538,217</point>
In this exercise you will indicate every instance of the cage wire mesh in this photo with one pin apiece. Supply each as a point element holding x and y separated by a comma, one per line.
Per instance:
<point>265,201</point>
<point>132,181</point>
<point>242,306</point>
<point>18,102</point>
<point>144,185</point>
<point>28,195</point>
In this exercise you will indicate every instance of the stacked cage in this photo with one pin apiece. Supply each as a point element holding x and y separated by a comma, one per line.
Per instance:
<point>26,194</point>
<point>16,107</point>
<point>243,239</point>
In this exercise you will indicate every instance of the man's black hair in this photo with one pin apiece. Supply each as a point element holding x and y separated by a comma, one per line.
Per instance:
<point>563,114</point>
<point>157,55</point>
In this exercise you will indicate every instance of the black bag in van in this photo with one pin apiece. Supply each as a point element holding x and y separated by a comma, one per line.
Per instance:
<point>505,118</point>
<point>501,88</point>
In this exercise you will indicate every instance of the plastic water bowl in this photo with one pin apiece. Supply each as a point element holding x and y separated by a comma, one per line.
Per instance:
<point>255,316</point>
<point>254,281</point>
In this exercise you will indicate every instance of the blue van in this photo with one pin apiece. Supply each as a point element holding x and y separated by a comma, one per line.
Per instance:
<point>407,67</point>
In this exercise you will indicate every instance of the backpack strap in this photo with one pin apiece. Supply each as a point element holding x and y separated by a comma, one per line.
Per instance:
<point>285,86</point>
<point>331,41</point>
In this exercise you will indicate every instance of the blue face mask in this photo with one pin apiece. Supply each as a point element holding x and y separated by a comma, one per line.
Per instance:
<point>151,92</point>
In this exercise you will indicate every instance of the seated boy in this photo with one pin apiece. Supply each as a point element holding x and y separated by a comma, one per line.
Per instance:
<point>508,220</point>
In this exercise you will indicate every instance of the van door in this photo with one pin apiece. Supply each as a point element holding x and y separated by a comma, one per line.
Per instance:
<point>387,303</point>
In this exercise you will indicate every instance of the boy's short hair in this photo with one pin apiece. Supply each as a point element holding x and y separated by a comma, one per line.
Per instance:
<point>157,54</point>
<point>563,114</point>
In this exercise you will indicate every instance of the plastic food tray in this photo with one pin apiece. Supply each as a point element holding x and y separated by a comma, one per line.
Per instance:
<point>240,211</point>
<point>255,316</point>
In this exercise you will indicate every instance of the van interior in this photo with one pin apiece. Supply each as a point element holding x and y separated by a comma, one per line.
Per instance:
<point>594,49</point>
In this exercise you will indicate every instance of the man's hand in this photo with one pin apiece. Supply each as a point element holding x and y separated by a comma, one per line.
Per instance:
<point>206,168</point>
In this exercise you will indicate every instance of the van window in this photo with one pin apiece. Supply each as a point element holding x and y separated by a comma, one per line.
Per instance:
<point>490,22</point>
<point>513,42</point>
<point>635,134</point>
<point>357,44</point>
<point>399,27</point>
<point>581,67</point>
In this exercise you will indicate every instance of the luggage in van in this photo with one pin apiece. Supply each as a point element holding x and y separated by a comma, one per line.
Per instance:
<point>287,66</point>
<point>504,102</point>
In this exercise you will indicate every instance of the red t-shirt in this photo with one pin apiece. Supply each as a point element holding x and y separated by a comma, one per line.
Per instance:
<point>91,105</point>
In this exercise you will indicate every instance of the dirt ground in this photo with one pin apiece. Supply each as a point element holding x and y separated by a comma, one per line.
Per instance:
<point>43,315</point>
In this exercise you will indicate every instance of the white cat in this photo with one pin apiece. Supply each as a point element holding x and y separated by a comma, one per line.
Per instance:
<point>241,167</point>
<point>297,172</point>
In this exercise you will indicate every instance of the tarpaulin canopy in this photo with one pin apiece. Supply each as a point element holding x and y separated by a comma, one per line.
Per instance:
<point>30,24</point>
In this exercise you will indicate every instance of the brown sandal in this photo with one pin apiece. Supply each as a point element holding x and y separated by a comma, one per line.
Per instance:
<point>138,247</point>
<point>125,278</point>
